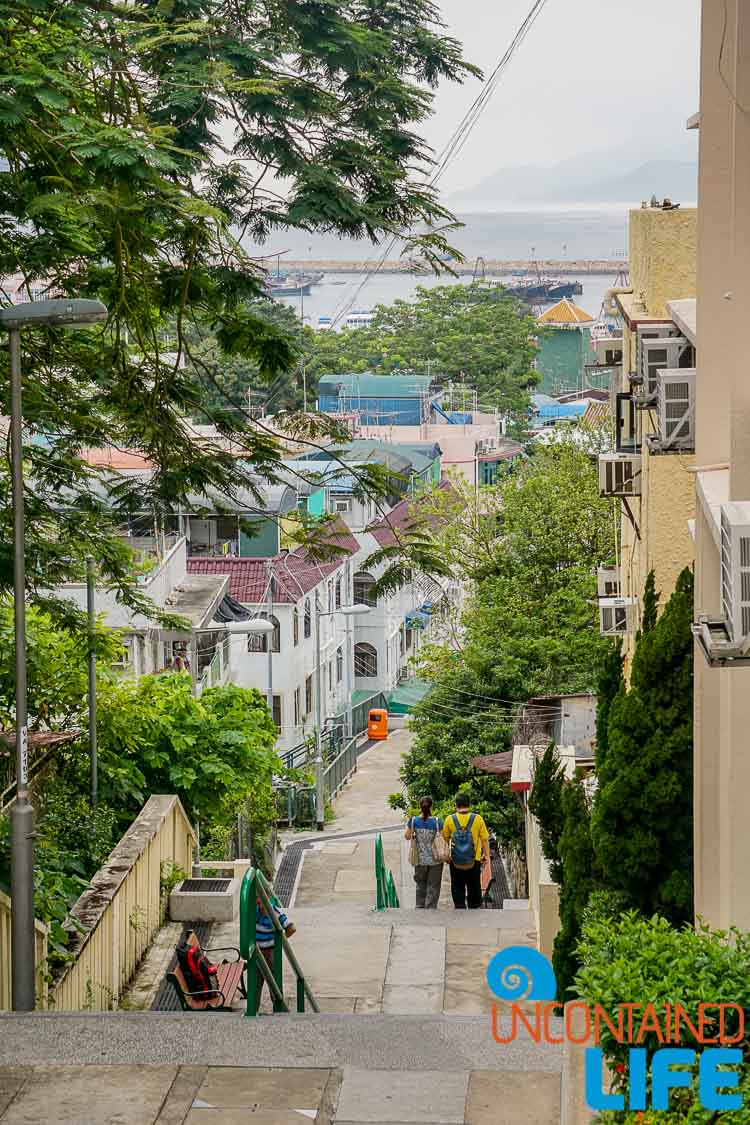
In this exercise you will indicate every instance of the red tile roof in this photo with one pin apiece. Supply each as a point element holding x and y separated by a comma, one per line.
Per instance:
<point>400,519</point>
<point>295,573</point>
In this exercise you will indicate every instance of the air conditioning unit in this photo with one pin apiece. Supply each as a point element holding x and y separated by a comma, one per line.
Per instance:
<point>619,474</point>
<point>608,581</point>
<point>666,350</point>
<point>616,616</point>
<point>735,568</point>
<point>725,640</point>
<point>675,398</point>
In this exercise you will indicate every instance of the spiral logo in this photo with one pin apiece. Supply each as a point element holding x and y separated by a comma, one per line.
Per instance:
<point>521,973</point>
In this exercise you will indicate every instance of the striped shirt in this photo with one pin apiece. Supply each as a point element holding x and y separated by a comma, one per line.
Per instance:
<point>264,928</point>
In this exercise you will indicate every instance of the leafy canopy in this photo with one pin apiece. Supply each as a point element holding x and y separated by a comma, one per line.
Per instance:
<point>145,142</point>
<point>465,333</point>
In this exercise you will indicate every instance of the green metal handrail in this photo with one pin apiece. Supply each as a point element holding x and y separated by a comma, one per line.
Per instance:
<point>254,886</point>
<point>385,886</point>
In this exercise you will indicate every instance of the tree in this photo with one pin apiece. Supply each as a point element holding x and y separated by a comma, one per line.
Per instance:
<point>224,381</point>
<point>546,804</point>
<point>469,334</point>
<point>609,684</point>
<point>650,610</point>
<point>213,752</point>
<point>144,143</point>
<point>527,629</point>
<point>56,670</point>
<point>642,823</point>
<point>579,879</point>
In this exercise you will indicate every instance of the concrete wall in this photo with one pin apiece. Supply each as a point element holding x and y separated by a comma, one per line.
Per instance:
<point>120,913</point>
<point>544,894</point>
<point>722,696</point>
<point>663,256</point>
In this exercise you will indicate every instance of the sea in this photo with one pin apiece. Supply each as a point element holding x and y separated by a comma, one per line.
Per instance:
<point>592,233</point>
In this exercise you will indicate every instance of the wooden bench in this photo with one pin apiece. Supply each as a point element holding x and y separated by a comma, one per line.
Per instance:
<point>230,978</point>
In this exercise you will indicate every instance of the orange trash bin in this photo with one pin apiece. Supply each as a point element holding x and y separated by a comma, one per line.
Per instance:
<point>377,723</point>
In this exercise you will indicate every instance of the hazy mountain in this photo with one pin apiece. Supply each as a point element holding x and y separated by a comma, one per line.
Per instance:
<point>586,178</point>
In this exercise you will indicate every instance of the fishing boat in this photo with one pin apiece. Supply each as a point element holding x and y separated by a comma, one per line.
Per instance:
<point>325,322</point>
<point>536,290</point>
<point>291,285</point>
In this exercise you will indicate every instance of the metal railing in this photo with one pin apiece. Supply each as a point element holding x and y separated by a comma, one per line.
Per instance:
<point>386,895</point>
<point>215,673</point>
<point>255,886</point>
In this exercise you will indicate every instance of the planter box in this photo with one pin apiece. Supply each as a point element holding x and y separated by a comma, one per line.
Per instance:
<point>205,900</point>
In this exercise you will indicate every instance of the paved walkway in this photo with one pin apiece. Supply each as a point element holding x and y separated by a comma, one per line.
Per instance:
<point>405,1033</point>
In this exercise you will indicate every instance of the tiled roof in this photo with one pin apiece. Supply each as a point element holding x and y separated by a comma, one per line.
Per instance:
<point>294,573</point>
<point>597,413</point>
<point>401,518</point>
<point>501,763</point>
<point>565,312</point>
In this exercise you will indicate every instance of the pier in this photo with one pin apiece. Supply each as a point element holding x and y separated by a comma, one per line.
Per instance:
<point>493,267</point>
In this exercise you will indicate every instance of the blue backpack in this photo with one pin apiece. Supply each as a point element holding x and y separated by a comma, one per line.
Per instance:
<point>463,853</point>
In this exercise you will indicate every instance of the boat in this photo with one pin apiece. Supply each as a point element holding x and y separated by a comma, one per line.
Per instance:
<point>325,322</point>
<point>291,285</point>
<point>538,290</point>
<point>359,318</point>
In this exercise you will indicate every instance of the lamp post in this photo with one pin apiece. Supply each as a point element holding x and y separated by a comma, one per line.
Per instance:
<point>39,314</point>
<point>320,797</point>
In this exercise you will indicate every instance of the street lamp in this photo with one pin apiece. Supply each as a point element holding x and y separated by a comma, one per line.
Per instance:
<point>348,611</point>
<point>32,314</point>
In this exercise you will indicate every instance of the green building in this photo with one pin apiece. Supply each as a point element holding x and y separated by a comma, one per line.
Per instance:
<point>564,348</point>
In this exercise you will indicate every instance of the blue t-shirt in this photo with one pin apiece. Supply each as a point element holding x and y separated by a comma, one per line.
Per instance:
<point>425,832</point>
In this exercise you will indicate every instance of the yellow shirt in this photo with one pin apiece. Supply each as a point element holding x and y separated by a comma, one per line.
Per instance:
<point>478,829</point>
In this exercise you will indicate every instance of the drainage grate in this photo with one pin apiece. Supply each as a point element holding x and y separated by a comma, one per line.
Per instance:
<point>203,886</point>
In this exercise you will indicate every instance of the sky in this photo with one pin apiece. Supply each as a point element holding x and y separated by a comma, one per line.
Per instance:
<point>591,75</point>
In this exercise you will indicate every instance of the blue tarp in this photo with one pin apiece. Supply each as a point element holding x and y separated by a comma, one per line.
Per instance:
<point>563,410</point>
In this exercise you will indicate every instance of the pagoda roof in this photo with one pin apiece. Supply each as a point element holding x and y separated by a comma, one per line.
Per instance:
<point>564,312</point>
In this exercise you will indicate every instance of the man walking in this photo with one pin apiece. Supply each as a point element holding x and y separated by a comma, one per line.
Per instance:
<point>467,834</point>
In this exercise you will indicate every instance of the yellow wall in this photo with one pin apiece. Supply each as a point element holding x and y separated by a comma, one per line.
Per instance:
<point>663,256</point>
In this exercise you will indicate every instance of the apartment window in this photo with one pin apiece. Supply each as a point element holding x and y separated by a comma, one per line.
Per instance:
<point>308,696</point>
<point>339,664</point>
<point>259,643</point>
<point>277,711</point>
<point>365,660</point>
<point>363,589</point>
<point>338,592</point>
<point>297,707</point>
<point>308,618</point>
<point>330,675</point>
<point>330,596</point>
<point>343,505</point>
<point>295,626</point>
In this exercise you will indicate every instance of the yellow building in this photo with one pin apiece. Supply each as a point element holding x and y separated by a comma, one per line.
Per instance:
<point>651,473</point>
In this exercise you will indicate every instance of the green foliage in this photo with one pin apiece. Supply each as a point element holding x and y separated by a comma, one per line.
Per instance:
<point>69,825</point>
<point>650,609</point>
<point>579,878</point>
<point>609,683</point>
<point>527,629</point>
<point>643,817</point>
<point>632,959</point>
<point>57,668</point>
<point>111,119</point>
<point>467,333</point>
<point>233,384</point>
<point>546,804</point>
<point>213,752</point>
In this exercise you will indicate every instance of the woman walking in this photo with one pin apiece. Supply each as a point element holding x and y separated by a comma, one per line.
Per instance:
<point>428,870</point>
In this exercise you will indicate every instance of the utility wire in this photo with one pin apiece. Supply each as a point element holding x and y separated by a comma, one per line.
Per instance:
<point>457,141</point>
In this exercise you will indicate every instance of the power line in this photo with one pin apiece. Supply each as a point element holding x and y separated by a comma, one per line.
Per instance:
<point>458,139</point>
